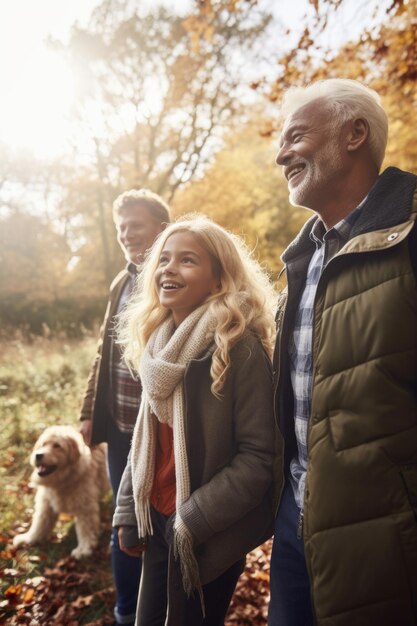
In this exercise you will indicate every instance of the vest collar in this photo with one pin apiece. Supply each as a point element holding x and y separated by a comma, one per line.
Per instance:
<point>388,204</point>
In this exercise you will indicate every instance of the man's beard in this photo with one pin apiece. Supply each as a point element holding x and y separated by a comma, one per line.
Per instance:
<point>318,173</point>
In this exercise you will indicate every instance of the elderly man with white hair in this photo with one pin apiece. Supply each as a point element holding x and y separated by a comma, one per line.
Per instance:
<point>345,545</point>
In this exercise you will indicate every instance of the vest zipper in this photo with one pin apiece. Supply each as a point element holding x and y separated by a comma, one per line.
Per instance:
<point>300,525</point>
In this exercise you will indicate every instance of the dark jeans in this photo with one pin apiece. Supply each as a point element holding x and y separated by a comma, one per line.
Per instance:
<point>161,572</point>
<point>126,569</point>
<point>290,603</point>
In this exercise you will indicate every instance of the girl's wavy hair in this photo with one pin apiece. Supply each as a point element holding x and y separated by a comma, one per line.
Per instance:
<point>245,300</point>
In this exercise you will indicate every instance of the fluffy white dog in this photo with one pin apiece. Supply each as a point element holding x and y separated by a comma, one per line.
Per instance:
<point>70,478</point>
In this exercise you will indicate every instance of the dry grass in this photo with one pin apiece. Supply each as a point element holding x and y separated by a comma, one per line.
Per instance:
<point>42,383</point>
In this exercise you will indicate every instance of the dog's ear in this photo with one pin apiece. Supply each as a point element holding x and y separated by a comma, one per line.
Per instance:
<point>74,452</point>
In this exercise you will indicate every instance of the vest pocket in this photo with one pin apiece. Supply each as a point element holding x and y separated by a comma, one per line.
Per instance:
<point>409,476</point>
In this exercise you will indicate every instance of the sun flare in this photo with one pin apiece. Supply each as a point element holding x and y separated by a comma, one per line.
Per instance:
<point>34,110</point>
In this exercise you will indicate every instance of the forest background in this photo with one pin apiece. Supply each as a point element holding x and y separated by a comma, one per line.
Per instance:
<point>183,98</point>
<point>185,103</point>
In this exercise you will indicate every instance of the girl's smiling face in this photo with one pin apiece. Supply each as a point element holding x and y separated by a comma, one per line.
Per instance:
<point>185,277</point>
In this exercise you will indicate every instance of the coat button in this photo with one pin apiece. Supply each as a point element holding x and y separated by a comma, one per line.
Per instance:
<point>392,236</point>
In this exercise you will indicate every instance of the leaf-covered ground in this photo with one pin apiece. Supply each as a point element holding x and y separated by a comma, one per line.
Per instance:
<point>72,593</point>
<point>249,606</point>
<point>45,586</point>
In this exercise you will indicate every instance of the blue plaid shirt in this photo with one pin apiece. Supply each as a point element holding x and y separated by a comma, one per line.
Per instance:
<point>300,346</point>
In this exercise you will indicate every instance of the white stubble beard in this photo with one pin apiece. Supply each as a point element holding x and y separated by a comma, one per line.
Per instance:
<point>318,171</point>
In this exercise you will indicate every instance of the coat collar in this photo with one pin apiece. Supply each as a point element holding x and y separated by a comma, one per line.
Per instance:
<point>388,203</point>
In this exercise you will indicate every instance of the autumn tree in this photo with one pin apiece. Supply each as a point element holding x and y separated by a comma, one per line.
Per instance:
<point>383,56</point>
<point>382,53</point>
<point>33,259</point>
<point>38,284</point>
<point>244,191</point>
<point>154,99</point>
<point>163,102</point>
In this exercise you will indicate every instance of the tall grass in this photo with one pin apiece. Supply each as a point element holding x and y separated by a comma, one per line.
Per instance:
<point>42,383</point>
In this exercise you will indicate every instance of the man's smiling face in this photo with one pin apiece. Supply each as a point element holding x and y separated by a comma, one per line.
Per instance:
<point>311,154</point>
<point>136,231</point>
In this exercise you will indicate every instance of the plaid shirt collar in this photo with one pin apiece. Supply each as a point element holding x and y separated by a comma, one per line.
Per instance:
<point>341,230</point>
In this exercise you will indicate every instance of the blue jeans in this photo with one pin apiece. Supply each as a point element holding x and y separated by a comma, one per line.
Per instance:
<point>290,603</point>
<point>126,569</point>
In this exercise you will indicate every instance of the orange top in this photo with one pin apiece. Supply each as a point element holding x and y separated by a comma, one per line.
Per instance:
<point>163,488</point>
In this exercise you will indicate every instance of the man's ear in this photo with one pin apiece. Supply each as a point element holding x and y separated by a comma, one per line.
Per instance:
<point>358,134</point>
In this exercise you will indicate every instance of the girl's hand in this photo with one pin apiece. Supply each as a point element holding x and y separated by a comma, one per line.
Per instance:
<point>131,550</point>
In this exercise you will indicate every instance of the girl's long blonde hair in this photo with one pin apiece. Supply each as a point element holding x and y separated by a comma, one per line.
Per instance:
<point>245,299</point>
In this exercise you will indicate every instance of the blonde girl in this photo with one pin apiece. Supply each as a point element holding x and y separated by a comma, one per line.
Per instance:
<point>196,495</point>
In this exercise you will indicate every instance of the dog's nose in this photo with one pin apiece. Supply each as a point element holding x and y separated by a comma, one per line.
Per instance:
<point>39,456</point>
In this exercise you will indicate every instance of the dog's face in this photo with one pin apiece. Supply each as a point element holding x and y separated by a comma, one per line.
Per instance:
<point>56,450</point>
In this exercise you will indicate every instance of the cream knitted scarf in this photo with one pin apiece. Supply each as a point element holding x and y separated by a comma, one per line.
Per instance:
<point>162,369</point>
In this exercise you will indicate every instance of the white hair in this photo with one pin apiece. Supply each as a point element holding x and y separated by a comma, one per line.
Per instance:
<point>348,99</point>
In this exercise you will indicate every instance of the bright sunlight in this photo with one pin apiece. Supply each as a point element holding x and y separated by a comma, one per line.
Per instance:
<point>34,114</point>
<point>37,89</point>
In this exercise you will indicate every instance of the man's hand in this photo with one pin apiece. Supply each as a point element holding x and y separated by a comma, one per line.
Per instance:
<point>131,550</point>
<point>85,430</point>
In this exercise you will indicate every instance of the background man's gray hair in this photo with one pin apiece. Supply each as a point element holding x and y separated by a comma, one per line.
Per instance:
<point>348,99</point>
<point>155,205</point>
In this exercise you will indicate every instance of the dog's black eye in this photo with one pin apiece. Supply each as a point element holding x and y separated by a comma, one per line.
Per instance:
<point>56,445</point>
